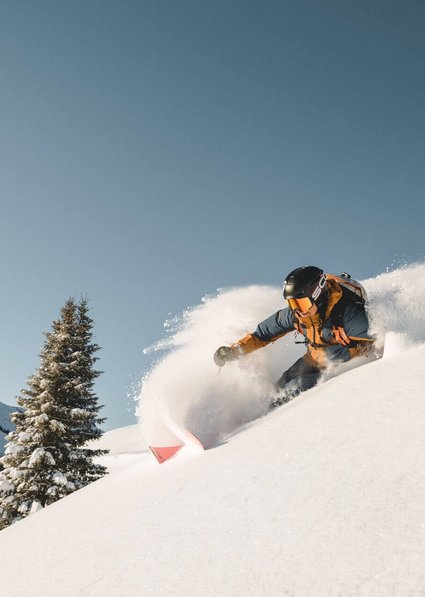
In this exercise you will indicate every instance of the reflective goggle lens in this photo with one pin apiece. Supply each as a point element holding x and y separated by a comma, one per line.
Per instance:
<point>300,304</point>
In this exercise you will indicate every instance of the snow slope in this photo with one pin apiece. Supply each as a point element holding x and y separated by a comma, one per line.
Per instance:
<point>323,497</point>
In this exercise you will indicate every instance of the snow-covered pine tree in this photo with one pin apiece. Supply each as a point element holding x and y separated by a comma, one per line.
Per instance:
<point>46,457</point>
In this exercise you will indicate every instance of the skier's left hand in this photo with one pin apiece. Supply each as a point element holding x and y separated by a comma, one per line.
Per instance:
<point>340,336</point>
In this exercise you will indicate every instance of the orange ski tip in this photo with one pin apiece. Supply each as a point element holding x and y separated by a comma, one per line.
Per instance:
<point>165,453</point>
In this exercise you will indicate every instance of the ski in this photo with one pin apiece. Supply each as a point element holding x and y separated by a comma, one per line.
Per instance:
<point>164,453</point>
<point>176,437</point>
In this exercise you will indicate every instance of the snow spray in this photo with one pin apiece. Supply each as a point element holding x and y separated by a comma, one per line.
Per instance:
<point>186,384</point>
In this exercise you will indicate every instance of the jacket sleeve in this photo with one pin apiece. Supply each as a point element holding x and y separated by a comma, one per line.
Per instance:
<point>277,325</point>
<point>356,324</point>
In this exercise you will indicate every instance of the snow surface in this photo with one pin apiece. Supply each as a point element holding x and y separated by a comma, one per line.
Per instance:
<point>323,497</point>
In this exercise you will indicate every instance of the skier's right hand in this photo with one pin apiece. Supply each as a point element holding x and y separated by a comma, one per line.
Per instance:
<point>224,354</point>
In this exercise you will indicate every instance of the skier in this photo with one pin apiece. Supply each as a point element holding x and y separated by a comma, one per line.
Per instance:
<point>329,311</point>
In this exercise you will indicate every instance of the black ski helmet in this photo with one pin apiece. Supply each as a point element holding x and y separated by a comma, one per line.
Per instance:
<point>306,281</point>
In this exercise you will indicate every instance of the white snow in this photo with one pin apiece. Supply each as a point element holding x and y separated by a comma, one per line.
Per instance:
<point>59,479</point>
<point>35,507</point>
<point>40,454</point>
<point>13,449</point>
<point>324,497</point>
<point>5,486</point>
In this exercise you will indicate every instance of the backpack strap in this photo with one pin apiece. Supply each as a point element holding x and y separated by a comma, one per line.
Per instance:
<point>356,291</point>
<point>337,313</point>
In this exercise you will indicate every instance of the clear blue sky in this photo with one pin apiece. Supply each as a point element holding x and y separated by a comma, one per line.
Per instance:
<point>153,151</point>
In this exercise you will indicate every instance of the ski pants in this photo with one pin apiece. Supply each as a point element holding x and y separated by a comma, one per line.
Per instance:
<point>301,376</point>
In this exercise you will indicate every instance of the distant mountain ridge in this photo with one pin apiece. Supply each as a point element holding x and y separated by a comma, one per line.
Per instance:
<point>6,424</point>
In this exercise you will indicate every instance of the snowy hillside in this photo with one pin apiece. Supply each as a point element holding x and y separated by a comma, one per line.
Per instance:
<point>323,497</point>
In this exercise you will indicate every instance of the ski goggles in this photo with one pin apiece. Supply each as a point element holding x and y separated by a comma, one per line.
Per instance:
<point>300,304</point>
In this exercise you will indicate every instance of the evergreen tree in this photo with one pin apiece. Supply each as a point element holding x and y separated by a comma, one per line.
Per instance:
<point>46,457</point>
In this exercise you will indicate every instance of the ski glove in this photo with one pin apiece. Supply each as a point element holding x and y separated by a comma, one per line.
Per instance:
<point>224,354</point>
<point>340,336</point>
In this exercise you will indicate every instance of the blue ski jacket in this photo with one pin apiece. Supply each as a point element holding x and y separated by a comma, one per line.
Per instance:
<point>319,331</point>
